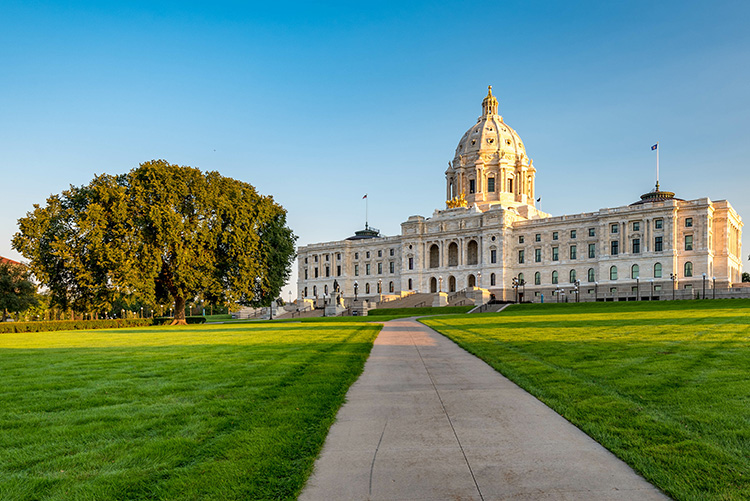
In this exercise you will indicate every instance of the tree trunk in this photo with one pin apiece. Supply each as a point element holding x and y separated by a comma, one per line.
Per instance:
<point>179,311</point>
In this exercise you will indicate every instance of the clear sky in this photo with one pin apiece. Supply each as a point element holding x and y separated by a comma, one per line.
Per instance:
<point>318,103</point>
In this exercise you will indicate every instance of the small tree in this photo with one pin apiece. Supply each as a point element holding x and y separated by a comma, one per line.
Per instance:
<point>160,233</point>
<point>17,292</point>
<point>746,277</point>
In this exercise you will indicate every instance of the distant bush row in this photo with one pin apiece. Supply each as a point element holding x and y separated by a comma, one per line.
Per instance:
<point>70,325</point>
<point>427,310</point>
<point>195,319</point>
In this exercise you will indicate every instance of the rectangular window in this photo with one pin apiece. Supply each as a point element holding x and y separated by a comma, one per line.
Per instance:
<point>472,186</point>
<point>328,256</point>
<point>316,273</point>
<point>615,247</point>
<point>572,233</point>
<point>367,254</point>
<point>658,244</point>
<point>538,237</point>
<point>316,259</point>
<point>592,251</point>
<point>328,271</point>
<point>554,235</point>
<point>636,246</point>
<point>688,242</point>
<point>658,224</point>
<point>305,260</point>
<point>356,270</point>
<point>493,256</point>
<point>411,263</point>
<point>391,267</point>
<point>688,222</point>
<point>592,232</point>
<point>537,255</point>
<point>380,268</point>
<point>573,252</point>
<point>367,269</point>
<point>380,253</point>
<point>555,253</point>
<point>614,228</point>
<point>356,255</point>
<point>636,226</point>
<point>520,256</point>
<point>338,270</point>
<point>520,240</point>
<point>491,184</point>
<point>392,252</point>
<point>305,273</point>
<point>657,287</point>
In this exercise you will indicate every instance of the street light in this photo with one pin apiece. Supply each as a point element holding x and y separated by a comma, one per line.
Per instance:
<point>356,288</point>
<point>578,290</point>
<point>713,287</point>
<point>325,300</point>
<point>652,289</point>
<point>596,291</point>
<point>704,286</point>
<point>479,279</point>
<point>440,280</point>
<point>514,284</point>
<point>673,277</point>
<point>637,289</point>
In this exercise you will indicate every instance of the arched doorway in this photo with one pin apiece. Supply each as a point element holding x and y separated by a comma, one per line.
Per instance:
<point>453,254</point>
<point>472,281</point>
<point>434,256</point>
<point>472,251</point>
<point>451,284</point>
<point>433,284</point>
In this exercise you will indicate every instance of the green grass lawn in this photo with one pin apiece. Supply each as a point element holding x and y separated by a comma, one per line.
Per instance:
<point>663,385</point>
<point>217,412</point>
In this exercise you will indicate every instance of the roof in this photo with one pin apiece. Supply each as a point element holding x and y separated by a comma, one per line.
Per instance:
<point>9,261</point>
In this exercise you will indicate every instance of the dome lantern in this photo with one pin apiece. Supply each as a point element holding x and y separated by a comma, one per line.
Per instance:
<point>489,104</point>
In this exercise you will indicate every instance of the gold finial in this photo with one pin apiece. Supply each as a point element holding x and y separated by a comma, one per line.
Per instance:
<point>489,104</point>
<point>489,90</point>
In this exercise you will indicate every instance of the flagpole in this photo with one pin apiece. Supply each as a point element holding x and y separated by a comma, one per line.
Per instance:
<point>657,165</point>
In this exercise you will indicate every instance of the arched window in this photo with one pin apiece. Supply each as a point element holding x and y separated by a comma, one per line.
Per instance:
<point>325,289</point>
<point>451,284</point>
<point>453,254</point>
<point>434,256</point>
<point>390,287</point>
<point>657,270</point>
<point>613,273</point>
<point>410,284</point>
<point>520,278</point>
<point>688,269</point>
<point>592,276</point>
<point>537,278</point>
<point>472,251</point>
<point>572,276</point>
<point>433,284</point>
<point>635,271</point>
<point>554,277</point>
<point>492,279</point>
<point>315,290</point>
<point>472,281</point>
<point>305,291</point>
<point>367,288</point>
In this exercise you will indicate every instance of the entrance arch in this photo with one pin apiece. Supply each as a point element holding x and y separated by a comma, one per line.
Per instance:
<point>433,284</point>
<point>451,284</point>
<point>472,281</point>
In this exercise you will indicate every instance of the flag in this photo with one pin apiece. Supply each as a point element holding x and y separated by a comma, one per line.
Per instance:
<point>654,146</point>
<point>364,196</point>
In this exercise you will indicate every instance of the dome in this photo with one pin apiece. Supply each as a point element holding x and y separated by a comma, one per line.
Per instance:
<point>490,136</point>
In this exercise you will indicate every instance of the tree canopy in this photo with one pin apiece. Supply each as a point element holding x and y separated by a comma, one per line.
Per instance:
<point>17,292</point>
<point>160,231</point>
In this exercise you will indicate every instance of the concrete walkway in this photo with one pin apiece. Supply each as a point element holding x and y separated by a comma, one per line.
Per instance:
<point>426,420</point>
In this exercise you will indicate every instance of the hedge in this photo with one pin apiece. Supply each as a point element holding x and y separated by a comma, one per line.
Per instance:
<point>69,325</point>
<point>195,319</point>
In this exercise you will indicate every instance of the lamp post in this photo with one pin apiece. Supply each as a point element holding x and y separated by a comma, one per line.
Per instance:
<point>578,290</point>
<point>380,289</point>
<point>596,291</point>
<point>479,279</point>
<point>514,284</point>
<point>141,311</point>
<point>704,286</point>
<point>673,277</point>
<point>440,281</point>
<point>652,289</point>
<point>325,301</point>
<point>356,288</point>
<point>637,289</point>
<point>523,290</point>
<point>713,287</point>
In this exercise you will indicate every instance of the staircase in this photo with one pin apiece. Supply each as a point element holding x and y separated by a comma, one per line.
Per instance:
<point>412,301</point>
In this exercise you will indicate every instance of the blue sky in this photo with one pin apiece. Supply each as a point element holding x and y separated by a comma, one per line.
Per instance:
<point>320,103</point>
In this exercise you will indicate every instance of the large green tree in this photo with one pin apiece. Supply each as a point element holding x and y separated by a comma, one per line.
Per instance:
<point>161,232</point>
<point>17,292</point>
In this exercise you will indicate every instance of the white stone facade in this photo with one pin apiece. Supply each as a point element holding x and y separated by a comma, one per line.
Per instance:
<point>628,252</point>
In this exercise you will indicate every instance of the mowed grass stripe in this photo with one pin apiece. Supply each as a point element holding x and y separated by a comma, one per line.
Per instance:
<point>665,386</point>
<point>196,412</point>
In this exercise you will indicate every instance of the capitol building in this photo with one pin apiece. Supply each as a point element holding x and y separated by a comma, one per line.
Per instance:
<point>492,237</point>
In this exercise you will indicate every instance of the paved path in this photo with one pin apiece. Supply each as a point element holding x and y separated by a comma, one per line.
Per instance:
<point>426,420</point>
